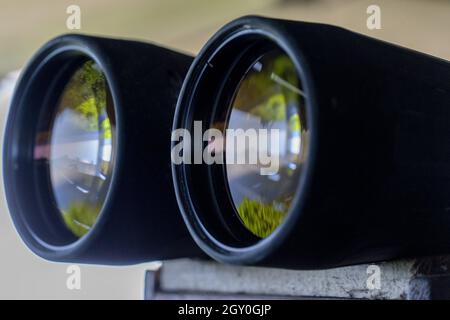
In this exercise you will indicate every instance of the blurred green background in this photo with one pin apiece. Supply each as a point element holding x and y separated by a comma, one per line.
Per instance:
<point>25,25</point>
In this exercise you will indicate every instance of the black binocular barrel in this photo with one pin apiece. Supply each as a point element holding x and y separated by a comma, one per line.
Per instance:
<point>90,181</point>
<point>375,180</point>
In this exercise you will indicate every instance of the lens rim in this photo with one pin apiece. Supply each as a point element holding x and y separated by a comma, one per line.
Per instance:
<point>41,83</point>
<point>211,236</point>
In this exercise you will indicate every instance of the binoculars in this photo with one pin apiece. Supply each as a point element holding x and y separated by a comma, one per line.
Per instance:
<point>283,144</point>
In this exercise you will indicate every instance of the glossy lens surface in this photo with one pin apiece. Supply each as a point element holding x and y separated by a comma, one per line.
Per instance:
<point>79,148</point>
<point>268,102</point>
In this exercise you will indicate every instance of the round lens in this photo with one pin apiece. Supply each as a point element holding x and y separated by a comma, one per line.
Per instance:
<point>79,148</point>
<point>268,125</point>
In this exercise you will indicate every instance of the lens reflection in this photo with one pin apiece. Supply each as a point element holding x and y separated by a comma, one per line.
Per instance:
<point>79,148</point>
<point>269,97</point>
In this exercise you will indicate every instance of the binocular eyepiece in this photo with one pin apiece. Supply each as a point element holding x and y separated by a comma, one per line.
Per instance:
<point>318,147</point>
<point>85,154</point>
<point>362,147</point>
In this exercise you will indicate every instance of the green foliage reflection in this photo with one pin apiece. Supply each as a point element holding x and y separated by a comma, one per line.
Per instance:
<point>80,217</point>
<point>261,219</point>
<point>85,94</point>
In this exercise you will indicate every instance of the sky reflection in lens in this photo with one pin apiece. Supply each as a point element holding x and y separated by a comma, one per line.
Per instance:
<point>268,97</point>
<point>79,148</point>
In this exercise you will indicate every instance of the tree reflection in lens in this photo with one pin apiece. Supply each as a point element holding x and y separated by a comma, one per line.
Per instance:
<point>79,148</point>
<point>268,97</point>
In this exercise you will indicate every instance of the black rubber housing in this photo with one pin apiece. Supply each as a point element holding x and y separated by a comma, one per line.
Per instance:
<point>376,184</point>
<point>140,220</point>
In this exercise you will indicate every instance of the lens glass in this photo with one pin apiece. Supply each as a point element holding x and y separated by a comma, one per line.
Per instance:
<point>265,148</point>
<point>79,148</point>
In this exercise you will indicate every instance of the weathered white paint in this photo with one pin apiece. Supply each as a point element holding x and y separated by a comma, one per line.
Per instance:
<point>346,282</point>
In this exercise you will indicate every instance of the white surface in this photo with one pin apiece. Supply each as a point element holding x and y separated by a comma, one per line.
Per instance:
<point>347,282</point>
<point>25,276</point>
